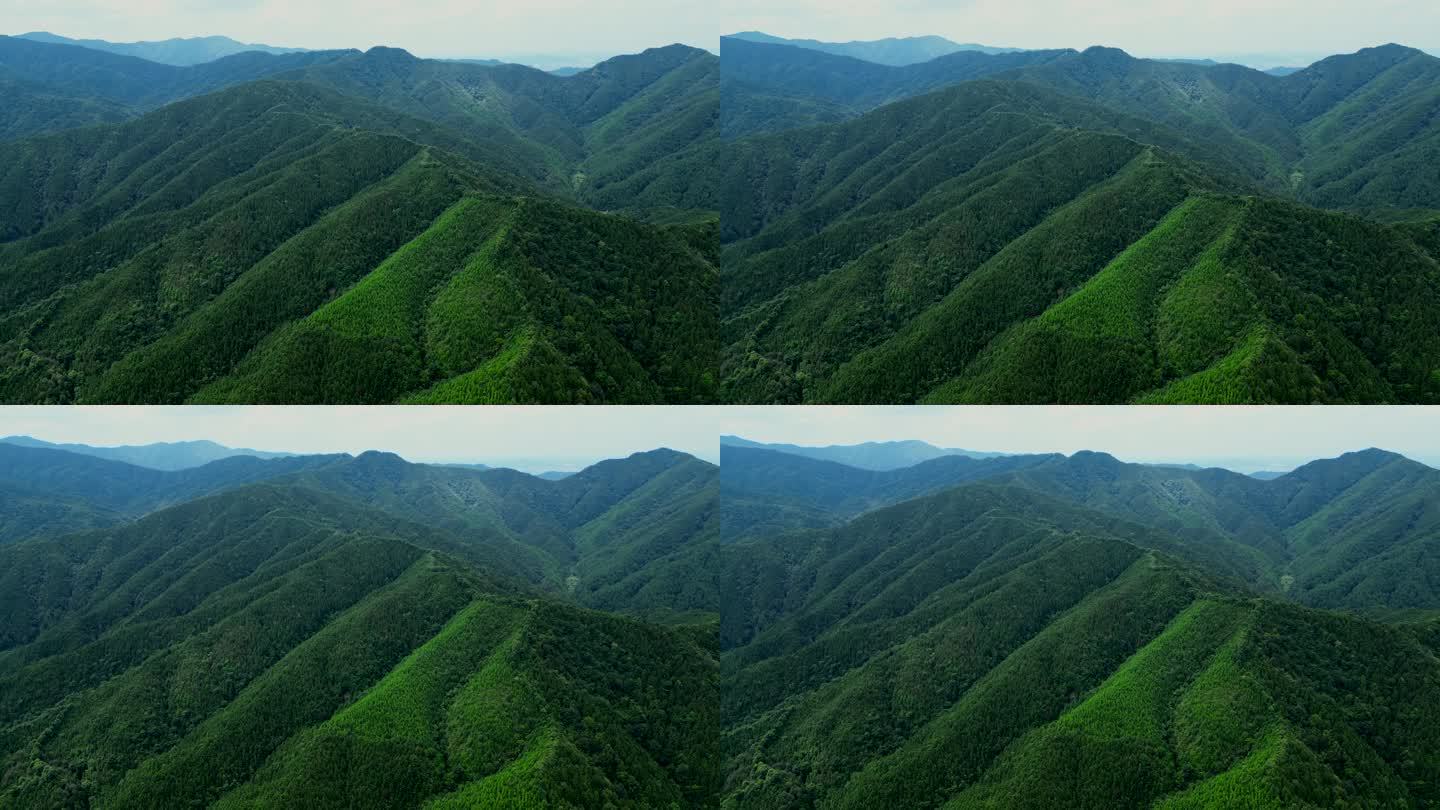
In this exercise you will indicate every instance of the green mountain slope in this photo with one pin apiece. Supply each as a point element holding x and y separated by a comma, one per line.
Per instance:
<point>999,243</point>
<point>302,246</point>
<point>616,136</point>
<point>1049,656</point>
<point>629,535</point>
<point>1346,533</point>
<point>1086,227</point>
<point>273,642</point>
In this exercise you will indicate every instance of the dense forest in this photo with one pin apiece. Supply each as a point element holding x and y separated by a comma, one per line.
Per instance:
<point>1079,632</point>
<point>1078,227</point>
<point>345,631</point>
<point>355,227</point>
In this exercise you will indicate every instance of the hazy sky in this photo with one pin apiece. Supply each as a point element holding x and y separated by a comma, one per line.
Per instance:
<point>542,438</point>
<point>534,439</point>
<point>585,30</point>
<point>1245,439</point>
<point>1298,29</point>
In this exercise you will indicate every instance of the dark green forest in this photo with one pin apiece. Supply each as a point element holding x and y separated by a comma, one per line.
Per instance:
<point>339,631</point>
<point>1079,632</point>
<point>1078,227</point>
<point>357,228</point>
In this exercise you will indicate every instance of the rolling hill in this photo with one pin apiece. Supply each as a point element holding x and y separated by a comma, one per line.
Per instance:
<point>1081,634</point>
<point>1071,232</point>
<point>360,632</point>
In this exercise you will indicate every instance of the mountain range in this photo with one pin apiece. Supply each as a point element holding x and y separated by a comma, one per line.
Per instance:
<point>867,455</point>
<point>340,226</point>
<point>1078,227</point>
<point>177,51</point>
<point>156,456</point>
<point>1051,631</point>
<point>895,51</point>
<point>356,631</point>
<point>780,631</point>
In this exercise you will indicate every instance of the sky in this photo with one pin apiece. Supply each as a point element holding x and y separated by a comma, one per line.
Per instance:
<point>547,32</point>
<point>541,32</point>
<point>537,439</point>
<point>533,439</point>
<point>1242,438</point>
<point>1292,31</point>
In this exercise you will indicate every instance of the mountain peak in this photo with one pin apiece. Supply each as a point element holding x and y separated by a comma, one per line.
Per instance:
<point>1107,54</point>
<point>1094,457</point>
<point>380,459</point>
<point>388,54</point>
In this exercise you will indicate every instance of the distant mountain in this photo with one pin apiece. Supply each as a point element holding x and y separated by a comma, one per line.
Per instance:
<point>1282,71</point>
<point>56,86</point>
<point>768,88</point>
<point>1267,475</point>
<point>888,51</point>
<point>866,456</point>
<point>180,51</point>
<point>765,490</point>
<point>158,456</point>
<point>548,476</point>
<point>51,491</point>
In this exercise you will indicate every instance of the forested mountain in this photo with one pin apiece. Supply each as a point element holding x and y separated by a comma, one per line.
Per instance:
<point>624,535</point>
<point>867,455</point>
<point>359,227</point>
<point>157,456</point>
<point>1093,228</point>
<point>769,87</point>
<point>1082,633</point>
<point>361,632</point>
<point>895,51</point>
<point>763,490</point>
<point>44,490</point>
<point>52,84</point>
<point>381,229</point>
<point>177,51</point>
